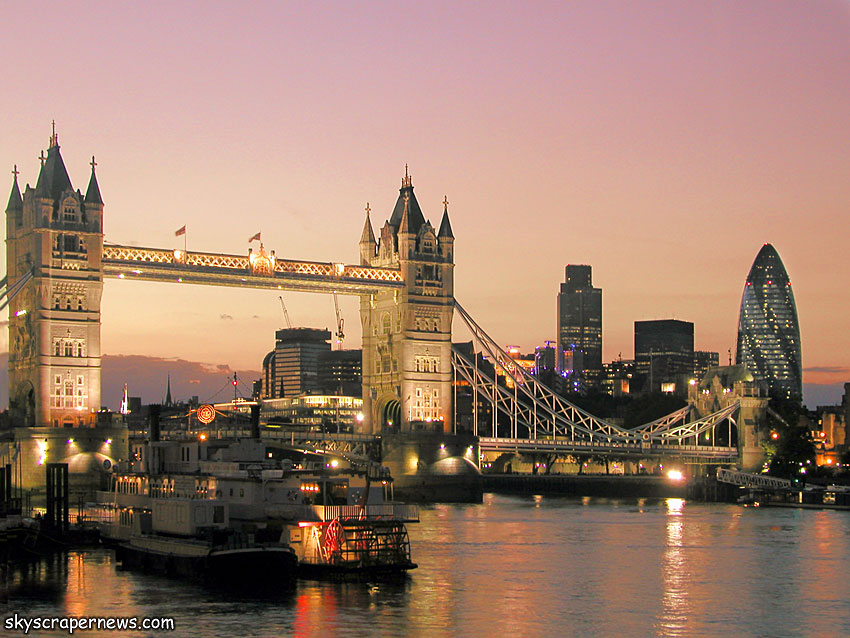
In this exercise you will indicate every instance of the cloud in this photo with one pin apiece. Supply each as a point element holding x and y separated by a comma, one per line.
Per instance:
<point>226,317</point>
<point>828,369</point>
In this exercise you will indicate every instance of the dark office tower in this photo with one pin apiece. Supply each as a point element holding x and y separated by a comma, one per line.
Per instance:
<point>664,353</point>
<point>296,360</point>
<point>704,361</point>
<point>768,332</point>
<point>580,326</point>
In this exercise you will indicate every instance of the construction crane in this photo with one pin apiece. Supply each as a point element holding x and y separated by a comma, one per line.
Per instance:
<point>285,314</point>
<point>340,322</point>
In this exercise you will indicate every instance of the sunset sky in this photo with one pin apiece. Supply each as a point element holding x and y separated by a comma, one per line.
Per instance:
<point>661,142</point>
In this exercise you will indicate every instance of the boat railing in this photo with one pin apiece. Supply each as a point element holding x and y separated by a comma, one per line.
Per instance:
<point>385,511</point>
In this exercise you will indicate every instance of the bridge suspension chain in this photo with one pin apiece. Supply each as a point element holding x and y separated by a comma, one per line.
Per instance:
<point>544,414</point>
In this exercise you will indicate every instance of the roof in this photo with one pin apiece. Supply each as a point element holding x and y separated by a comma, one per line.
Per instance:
<point>446,227</point>
<point>768,266</point>
<point>93,191</point>
<point>728,375</point>
<point>16,202</point>
<point>53,179</point>
<point>367,236</point>
<point>414,213</point>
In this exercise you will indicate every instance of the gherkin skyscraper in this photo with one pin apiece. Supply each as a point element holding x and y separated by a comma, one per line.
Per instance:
<point>768,332</point>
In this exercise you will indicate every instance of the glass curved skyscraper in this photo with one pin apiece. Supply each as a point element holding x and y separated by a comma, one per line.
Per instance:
<point>768,331</point>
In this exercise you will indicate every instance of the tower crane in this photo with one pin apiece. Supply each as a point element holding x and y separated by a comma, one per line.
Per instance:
<point>340,322</point>
<point>285,314</point>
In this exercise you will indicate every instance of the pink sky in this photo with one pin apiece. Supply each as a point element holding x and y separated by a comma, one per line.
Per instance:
<point>661,142</point>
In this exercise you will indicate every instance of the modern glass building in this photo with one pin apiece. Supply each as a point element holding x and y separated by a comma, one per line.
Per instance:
<point>580,326</point>
<point>768,331</point>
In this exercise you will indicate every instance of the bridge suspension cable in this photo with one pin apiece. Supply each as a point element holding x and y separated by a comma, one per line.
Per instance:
<point>542,414</point>
<point>7,293</point>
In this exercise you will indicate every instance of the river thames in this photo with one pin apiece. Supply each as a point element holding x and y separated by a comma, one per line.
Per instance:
<point>512,566</point>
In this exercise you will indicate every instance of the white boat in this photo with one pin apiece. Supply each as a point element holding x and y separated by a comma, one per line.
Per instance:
<point>338,520</point>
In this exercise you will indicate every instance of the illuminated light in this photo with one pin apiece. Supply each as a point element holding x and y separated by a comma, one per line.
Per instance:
<point>202,436</point>
<point>70,441</point>
<point>20,313</point>
<point>121,276</point>
<point>108,441</point>
<point>692,382</point>
<point>675,475</point>
<point>829,461</point>
<point>774,435</point>
<point>360,417</point>
<point>137,272</point>
<point>334,463</point>
<point>442,446</point>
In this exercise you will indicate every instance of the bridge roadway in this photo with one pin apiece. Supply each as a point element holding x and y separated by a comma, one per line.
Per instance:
<point>259,270</point>
<point>363,446</point>
<point>642,450</point>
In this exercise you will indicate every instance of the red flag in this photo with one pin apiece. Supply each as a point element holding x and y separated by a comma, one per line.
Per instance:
<point>180,231</point>
<point>255,238</point>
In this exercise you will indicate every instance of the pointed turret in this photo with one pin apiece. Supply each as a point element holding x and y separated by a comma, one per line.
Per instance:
<point>93,191</point>
<point>53,179</point>
<point>404,225</point>
<point>367,240</point>
<point>16,202</point>
<point>168,392</point>
<point>367,236</point>
<point>445,224</point>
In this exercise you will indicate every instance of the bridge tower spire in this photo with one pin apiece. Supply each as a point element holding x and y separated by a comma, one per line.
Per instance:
<point>407,373</point>
<point>54,327</point>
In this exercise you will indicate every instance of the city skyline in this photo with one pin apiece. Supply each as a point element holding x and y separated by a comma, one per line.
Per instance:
<point>594,144</point>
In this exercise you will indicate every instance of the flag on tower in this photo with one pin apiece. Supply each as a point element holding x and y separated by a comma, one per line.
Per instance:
<point>255,238</point>
<point>180,231</point>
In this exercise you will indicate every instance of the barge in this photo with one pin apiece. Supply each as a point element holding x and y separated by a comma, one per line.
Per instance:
<point>182,505</point>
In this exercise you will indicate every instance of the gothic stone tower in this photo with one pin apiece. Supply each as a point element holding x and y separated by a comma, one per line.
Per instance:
<point>407,334</point>
<point>56,233</point>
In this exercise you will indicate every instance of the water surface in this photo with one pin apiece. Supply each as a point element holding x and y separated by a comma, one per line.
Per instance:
<point>515,566</point>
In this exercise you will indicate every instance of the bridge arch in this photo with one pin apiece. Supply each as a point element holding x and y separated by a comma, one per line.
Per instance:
<point>389,412</point>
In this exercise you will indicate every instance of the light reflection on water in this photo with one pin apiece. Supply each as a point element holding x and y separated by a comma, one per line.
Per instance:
<point>536,566</point>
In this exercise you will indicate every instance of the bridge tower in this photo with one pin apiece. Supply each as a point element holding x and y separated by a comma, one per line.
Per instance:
<point>407,333</point>
<point>56,233</point>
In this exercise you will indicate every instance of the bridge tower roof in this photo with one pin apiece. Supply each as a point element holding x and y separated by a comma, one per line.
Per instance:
<point>53,178</point>
<point>93,191</point>
<point>415,217</point>
<point>16,202</point>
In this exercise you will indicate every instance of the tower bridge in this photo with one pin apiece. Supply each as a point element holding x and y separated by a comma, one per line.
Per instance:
<point>57,259</point>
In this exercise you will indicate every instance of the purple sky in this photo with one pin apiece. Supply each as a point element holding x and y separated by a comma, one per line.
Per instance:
<point>661,142</point>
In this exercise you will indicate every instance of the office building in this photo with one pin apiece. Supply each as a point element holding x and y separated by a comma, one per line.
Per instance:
<point>768,330</point>
<point>580,326</point>
<point>664,354</point>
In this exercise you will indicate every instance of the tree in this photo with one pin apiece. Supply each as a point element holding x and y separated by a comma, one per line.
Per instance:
<point>794,450</point>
